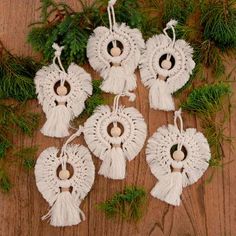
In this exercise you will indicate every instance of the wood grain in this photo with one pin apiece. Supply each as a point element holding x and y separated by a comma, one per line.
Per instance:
<point>207,209</point>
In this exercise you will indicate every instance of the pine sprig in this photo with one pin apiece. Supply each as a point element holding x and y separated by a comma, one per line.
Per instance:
<point>14,119</point>
<point>16,76</point>
<point>218,19</point>
<point>206,102</point>
<point>179,10</point>
<point>5,184</point>
<point>128,205</point>
<point>28,156</point>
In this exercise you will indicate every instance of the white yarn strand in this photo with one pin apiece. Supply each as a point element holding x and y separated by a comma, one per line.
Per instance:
<point>164,80</point>
<point>173,174</point>
<point>65,204</point>
<point>61,109</point>
<point>115,150</point>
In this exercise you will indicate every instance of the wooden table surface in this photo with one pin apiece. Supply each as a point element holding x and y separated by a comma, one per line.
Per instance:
<point>206,209</point>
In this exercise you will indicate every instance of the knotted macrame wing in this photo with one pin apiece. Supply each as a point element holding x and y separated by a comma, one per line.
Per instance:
<point>77,78</point>
<point>158,153</point>
<point>150,66</point>
<point>198,157</point>
<point>98,43</point>
<point>99,140</point>
<point>48,182</point>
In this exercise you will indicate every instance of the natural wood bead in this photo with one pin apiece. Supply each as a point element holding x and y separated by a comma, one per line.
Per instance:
<point>61,103</point>
<point>62,90</point>
<point>115,132</point>
<point>65,189</point>
<point>64,174</point>
<point>178,155</point>
<point>166,64</point>
<point>115,52</point>
<point>176,170</point>
<point>161,77</point>
<point>116,145</point>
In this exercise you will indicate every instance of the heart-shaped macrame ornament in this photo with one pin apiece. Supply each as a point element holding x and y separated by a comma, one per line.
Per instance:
<point>62,94</point>
<point>114,136</point>
<point>65,189</point>
<point>177,158</point>
<point>165,67</point>
<point>115,54</point>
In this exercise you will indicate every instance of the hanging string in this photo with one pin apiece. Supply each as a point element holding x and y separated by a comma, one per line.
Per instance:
<point>170,25</point>
<point>176,118</point>
<point>131,96</point>
<point>112,18</point>
<point>63,157</point>
<point>57,56</point>
<point>115,108</point>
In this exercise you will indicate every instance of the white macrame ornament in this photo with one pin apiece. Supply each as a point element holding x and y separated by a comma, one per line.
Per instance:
<point>123,142</point>
<point>115,54</point>
<point>165,67</point>
<point>65,191</point>
<point>180,168</point>
<point>62,103</point>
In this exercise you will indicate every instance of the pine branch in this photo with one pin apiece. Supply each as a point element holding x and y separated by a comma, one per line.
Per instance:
<point>128,205</point>
<point>206,102</point>
<point>218,19</point>
<point>28,156</point>
<point>16,76</point>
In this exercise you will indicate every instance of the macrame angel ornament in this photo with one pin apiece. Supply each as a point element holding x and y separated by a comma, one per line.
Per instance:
<point>165,67</point>
<point>62,187</point>
<point>115,54</point>
<point>115,136</point>
<point>177,158</point>
<point>62,94</point>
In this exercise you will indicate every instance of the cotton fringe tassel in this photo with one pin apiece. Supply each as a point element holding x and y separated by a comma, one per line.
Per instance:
<point>64,211</point>
<point>169,188</point>
<point>159,96</point>
<point>58,122</point>
<point>118,80</point>
<point>114,164</point>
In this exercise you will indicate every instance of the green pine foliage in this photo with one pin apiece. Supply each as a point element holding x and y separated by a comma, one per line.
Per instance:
<point>95,100</point>
<point>15,119</point>
<point>179,10</point>
<point>16,77</point>
<point>218,19</point>
<point>28,156</point>
<point>206,102</point>
<point>128,205</point>
<point>4,145</point>
<point>5,184</point>
<point>59,23</point>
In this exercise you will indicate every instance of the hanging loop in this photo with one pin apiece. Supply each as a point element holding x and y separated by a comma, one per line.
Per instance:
<point>63,157</point>
<point>111,14</point>
<point>131,96</point>
<point>112,18</point>
<point>170,25</point>
<point>179,117</point>
<point>57,56</point>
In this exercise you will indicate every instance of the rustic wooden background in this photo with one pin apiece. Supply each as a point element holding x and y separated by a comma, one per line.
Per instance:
<point>207,209</point>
